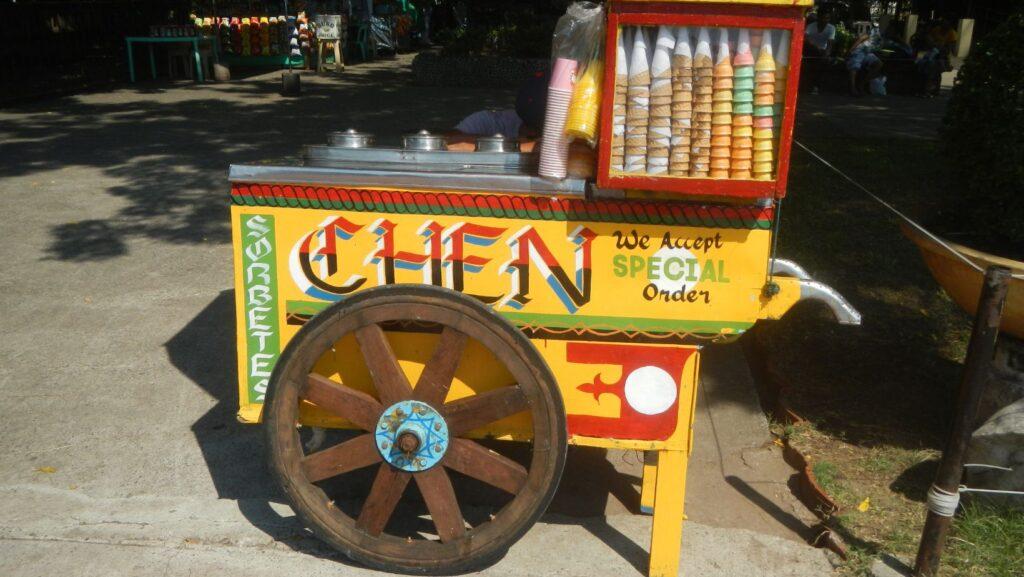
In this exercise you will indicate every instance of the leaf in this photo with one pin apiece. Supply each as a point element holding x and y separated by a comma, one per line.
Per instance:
<point>864,505</point>
<point>47,470</point>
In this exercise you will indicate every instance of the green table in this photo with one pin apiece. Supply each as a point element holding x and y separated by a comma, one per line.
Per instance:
<point>151,40</point>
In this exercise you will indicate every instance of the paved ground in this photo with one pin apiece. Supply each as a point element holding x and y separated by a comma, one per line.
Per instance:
<point>121,452</point>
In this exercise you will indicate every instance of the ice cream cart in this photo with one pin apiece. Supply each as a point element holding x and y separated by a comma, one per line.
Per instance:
<point>450,320</point>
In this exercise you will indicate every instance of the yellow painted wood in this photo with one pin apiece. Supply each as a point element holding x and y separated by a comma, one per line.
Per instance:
<point>667,527</point>
<point>776,306</point>
<point>804,3</point>
<point>650,477</point>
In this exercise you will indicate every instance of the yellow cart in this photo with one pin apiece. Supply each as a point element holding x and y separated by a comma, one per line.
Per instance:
<point>417,316</point>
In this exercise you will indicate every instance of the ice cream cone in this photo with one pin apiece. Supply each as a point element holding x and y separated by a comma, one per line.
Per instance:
<point>744,57</point>
<point>765,58</point>
<point>702,55</point>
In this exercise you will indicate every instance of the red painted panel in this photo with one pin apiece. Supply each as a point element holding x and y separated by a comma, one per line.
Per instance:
<point>630,424</point>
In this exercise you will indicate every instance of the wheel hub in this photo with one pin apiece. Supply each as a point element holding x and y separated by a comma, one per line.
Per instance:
<point>412,436</point>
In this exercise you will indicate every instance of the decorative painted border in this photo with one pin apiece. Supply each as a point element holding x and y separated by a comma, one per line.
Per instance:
<point>571,326</point>
<point>503,206</point>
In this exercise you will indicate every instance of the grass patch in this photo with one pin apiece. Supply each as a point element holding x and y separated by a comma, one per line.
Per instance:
<point>878,397</point>
<point>987,541</point>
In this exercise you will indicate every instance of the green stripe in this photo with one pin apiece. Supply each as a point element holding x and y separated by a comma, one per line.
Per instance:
<point>624,323</point>
<point>600,323</point>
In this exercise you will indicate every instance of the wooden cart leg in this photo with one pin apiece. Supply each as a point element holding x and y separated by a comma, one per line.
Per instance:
<point>667,531</point>
<point>650,477</point>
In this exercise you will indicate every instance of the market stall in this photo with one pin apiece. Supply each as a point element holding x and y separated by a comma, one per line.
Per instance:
<point>422,316</point>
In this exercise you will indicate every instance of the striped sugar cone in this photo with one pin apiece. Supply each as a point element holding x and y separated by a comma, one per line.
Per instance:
<point>700,127</point>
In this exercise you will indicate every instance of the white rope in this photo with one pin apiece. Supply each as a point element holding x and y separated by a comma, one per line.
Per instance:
<point>905,218</point>
<point>942,502</point>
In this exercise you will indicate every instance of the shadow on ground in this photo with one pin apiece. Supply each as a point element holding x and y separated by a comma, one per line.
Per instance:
<point>167,148</point>
<point>204,351</point>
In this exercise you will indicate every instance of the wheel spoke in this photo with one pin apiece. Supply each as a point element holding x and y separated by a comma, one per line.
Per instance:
<point>388,376</point>
<point>473,459</point>
<point>437,490</point>
<point>356,406</point>
<point>348,456</point>
<point>436,379</point>
<point>467,414</point>
<point>384,496</point>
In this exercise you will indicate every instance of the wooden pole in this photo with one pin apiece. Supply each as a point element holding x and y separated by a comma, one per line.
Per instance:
<point>980,351</point>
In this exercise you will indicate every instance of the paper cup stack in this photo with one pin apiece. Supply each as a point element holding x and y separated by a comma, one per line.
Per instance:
<point>700,132</point>
<point>764,109</point>
<point>619,103</point>
<point>659,126</point>
<point>554,146</point>
<point>682,104</point>
<point>781,72</point>
<point>638,99</point>
<point>742,144</point>
<point>721,112</point>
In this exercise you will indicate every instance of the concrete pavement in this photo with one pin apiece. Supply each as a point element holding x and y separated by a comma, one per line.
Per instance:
<point>121,452</point>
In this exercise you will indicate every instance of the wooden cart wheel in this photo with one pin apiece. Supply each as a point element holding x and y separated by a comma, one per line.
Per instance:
<point>412,434</point>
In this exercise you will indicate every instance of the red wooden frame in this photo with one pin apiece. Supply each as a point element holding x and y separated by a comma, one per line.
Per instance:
<point>776,17</point>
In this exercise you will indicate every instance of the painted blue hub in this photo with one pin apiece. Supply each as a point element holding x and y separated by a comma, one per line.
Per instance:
<point>412,423</point>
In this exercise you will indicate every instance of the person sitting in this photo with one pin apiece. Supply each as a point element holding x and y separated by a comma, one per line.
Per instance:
<point>935,47</point>
<point>819,38</point>
<point>525,122</point>
<point>862,65</point>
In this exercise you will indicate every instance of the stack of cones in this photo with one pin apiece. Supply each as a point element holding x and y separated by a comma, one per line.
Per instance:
<point>700,131</point>
<point>619,102</point>
<point>659,127</point>
<point>741,157</point>
<point>638,98</point>
<point>781,72</point>
<point>764,100</point>
<point>721,112</point>
<point>682,104</point>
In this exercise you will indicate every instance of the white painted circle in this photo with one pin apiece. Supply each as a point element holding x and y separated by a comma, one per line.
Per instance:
<point>650,390</point>
<point>679,268</point>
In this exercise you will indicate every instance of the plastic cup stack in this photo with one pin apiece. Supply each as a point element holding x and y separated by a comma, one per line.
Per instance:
<point>554,146</point>
<point>619,102</point>
<point>764,109</point>
<point>659,127</point>
<point>700,132</point>
<point>638,99</point>
<point>781,73</point>
<point>721,111</point>
<point>682,104</point>
<point>742,145</point>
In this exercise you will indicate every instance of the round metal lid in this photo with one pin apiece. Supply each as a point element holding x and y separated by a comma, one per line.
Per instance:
<point>351,138</point>
<point>496,143</point>
<point>424,140</point>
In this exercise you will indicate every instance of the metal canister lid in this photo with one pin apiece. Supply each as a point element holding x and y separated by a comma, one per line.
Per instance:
<point>351,138</point>
<point>496,143</point>
<point>424,140</point>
